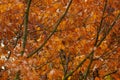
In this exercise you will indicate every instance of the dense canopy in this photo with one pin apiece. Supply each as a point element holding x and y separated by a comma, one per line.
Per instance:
<point>59,39</point>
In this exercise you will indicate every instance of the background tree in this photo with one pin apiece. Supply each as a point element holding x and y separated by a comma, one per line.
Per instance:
<point>66,39</point>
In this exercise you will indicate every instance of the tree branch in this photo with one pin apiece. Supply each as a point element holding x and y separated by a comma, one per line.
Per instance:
<point>101,22</point>
<point>17,75</point>
<point>92,52</point>
<point>88,68</point>
<point>25,27</point>
<point>112,72</point>
<point>54,30</point>
<point>111,26</point>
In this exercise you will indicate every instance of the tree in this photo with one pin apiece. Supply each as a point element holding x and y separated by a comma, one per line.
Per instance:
<point>59,39</point>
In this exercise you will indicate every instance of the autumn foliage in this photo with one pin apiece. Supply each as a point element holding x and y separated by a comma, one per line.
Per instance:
<point>59,39</point>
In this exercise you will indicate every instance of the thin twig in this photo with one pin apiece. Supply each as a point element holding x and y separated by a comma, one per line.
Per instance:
<point>101,22</point>
<point>88,68</point>
<point>19,33</point>
<point>106,53</point>
<point>80,64</point>
<point>92,52</point>
<point>54,30</point>
<point>50,60</point>
<point>112,25</point>
<point>91,59</point>
<point>17,75</point>
<point>64,61</point>
<point>113,72</point>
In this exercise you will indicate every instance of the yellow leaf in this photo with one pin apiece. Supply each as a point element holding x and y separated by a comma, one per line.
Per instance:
<point>69,78</point>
